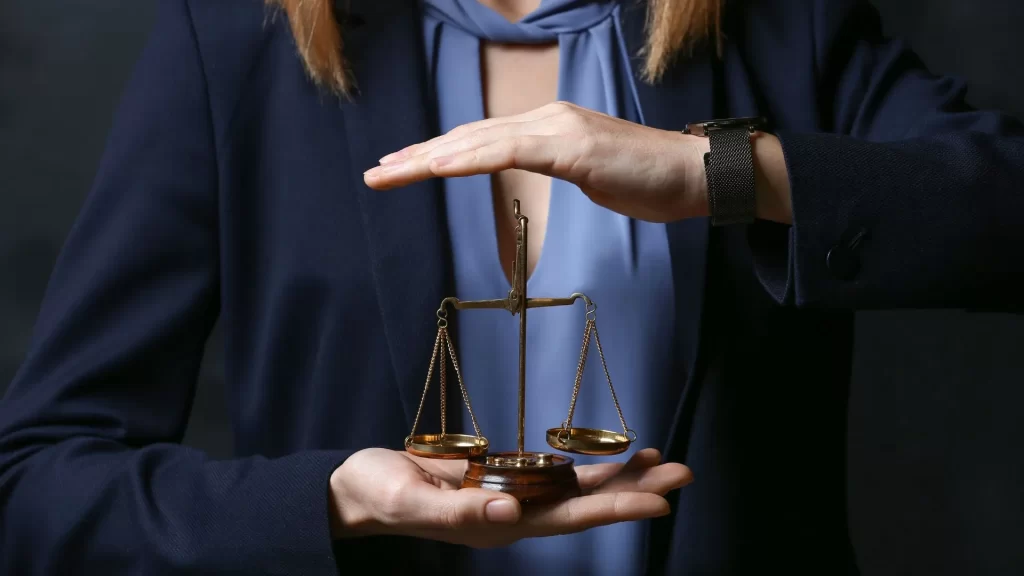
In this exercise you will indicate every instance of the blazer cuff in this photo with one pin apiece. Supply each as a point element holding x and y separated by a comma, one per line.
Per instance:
<point>299,489</point>
<point>771,245</point>
<point>813,262</point>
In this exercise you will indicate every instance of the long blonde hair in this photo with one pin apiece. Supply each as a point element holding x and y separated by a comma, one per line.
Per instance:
<point>673,26</point>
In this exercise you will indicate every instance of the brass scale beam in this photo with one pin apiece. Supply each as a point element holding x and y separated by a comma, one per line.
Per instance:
<point>517,303</point>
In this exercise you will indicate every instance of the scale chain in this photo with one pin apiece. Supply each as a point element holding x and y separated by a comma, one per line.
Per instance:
<point>579,374</point>
<point>441,343</point>
<point>462,387</point>
<point>430,375</point>
<point>591,325</point>
<point>444,387</point>
<point>607,375</point>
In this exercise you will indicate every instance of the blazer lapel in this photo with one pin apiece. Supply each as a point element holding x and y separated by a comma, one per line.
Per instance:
<point>405,227</point>
<point>685,94</point>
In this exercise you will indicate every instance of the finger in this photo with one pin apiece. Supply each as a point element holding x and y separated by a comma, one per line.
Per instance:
<point>551,155</point>
<point>659,480</point>
<point>540,154</point>
<point>593,474</point>
<point>420,508</point>
<point>478,139</point>
<point>585,512</point>
<point>644,458</point>
<point>462,131</point>
<point>445,473</point>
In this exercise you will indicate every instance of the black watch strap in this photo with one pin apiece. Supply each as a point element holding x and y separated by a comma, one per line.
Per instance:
<point>730,169</point>
<point>730,172</point>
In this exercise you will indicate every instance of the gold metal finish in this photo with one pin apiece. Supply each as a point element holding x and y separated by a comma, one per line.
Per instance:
<point>447,446</point>
<point>590,441</point>
<point>566,438</point>
<point>518,297</point>
<point>539,460</point>
<point>512,303</point>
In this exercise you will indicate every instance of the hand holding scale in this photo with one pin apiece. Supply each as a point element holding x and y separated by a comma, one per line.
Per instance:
<point>449,487</point>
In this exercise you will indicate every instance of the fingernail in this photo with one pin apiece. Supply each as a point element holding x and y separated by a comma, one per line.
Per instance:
<point>501,511</point>
<point>385,170</point>
<point>394,156</point>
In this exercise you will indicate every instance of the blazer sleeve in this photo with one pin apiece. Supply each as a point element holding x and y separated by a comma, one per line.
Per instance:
<point>92,476</point>
<point>908,198</point>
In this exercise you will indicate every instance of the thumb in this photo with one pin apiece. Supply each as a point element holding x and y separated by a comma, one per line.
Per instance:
<point>463,508</point>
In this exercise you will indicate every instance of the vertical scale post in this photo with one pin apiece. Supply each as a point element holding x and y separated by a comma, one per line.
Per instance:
<point>543,477</point>
<point>519,272</point>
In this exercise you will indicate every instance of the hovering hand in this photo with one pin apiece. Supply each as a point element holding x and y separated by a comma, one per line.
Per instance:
<point>640,172</point>
<point>378,491</point>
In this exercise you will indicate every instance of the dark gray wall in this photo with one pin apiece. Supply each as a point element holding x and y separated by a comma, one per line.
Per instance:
<point>935,437</point>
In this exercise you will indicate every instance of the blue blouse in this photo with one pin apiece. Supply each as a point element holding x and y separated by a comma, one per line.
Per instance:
<point>622,264</point>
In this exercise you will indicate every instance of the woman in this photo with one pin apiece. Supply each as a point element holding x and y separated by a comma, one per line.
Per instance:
<point>239,183</point>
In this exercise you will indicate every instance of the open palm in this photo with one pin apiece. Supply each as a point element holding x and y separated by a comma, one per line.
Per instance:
<point>393,492</point>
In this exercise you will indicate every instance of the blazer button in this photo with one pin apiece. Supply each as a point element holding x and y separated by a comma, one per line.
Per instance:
<point>843,259</point>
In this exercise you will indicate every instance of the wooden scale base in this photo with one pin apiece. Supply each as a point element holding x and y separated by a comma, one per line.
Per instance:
<point>531,477</point>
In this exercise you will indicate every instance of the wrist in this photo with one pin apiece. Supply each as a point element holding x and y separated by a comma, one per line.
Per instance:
<point>348,517</point>
<point>745,178</point>
<point>771,179</point>
<point>698,177</point>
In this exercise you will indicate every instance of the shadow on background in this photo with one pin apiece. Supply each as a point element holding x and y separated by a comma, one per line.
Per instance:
<point>935,432</point>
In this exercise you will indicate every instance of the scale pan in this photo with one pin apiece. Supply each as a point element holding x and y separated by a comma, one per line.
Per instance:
<point>589,441</point>
<point>446,446</point>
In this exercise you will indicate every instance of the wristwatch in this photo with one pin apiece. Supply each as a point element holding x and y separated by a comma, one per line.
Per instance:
<point>730,168</point>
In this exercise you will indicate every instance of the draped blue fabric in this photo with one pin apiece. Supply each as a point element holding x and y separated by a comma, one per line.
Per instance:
<point>622,264</point>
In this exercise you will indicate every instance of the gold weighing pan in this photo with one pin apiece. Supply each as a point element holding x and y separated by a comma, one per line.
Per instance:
<point>590,441</point>
<point>446,446</point>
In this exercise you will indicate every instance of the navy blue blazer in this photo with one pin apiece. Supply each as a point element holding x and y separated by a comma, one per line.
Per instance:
<point>232,188</point>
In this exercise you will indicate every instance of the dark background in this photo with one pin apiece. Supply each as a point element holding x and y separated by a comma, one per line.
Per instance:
<point>936,441</point>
